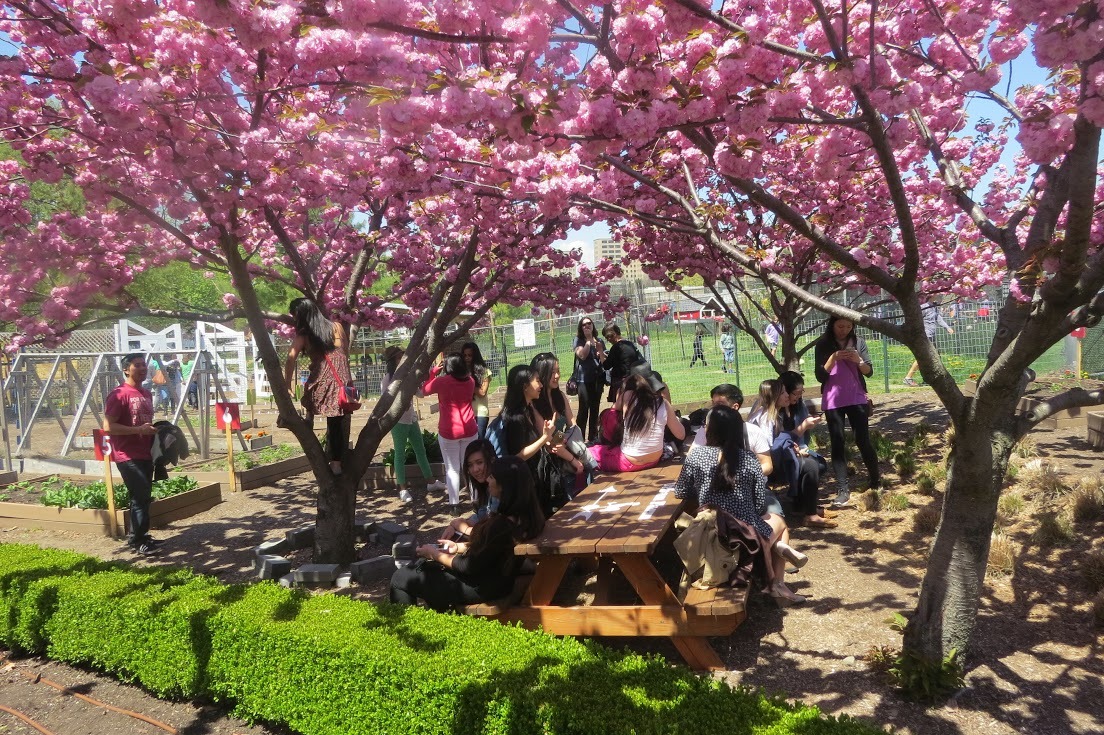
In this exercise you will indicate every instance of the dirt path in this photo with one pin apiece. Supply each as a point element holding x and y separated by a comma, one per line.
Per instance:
<point>1036,665</point>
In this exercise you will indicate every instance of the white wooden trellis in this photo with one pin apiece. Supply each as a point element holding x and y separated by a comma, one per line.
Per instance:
<point>231,352</point>
<point>131,337</point>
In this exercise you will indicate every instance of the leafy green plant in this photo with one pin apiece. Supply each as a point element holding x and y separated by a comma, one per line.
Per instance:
<point>432,450</point>
<point>1009,506</point>
<point>183,635</point>
<point>926,680</point>
<point>895,501</point>
<point>925,484</point>
<point>67,494</point>
<point>904,462</point>
<point>883,445</point>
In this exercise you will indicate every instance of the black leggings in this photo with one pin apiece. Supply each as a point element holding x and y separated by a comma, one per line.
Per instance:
<point>859,417</point>
<point>337,436</point>
<point>808,484</point>
<point>440,588</point>
<point>590,398</point>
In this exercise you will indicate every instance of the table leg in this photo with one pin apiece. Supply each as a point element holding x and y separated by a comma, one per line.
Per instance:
<point>550,572</point>
<point>605,577</point>
<point>653,590</point>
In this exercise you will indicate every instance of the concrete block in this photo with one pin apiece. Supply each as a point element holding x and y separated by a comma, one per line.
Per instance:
<point>316,573</point>
<point>288,580</point>
<point>270,566</point>
<point>365,530</point>
<point>300,538</point>
<point>388,532</point>
<point>276,547</point>
<point>344,580</point>
<point>373,570</point>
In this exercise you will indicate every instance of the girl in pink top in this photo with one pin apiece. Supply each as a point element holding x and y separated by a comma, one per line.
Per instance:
<point>456,427</point>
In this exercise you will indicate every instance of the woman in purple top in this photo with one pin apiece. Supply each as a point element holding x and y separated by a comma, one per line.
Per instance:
<point>842,365</point>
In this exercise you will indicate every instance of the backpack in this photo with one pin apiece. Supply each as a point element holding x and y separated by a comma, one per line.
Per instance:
<point>496,435</point>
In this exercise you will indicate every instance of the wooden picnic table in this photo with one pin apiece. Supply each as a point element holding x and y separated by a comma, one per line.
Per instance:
<point>620,520</point>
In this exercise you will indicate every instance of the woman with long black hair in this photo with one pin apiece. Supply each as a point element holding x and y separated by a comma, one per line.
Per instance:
<point>481,374</point>
<point>590,353</point>
<point>725,475</point>
<point>842,366</point>
<point>326,343</point>
<point>644,415</point>
<point>455,573</point>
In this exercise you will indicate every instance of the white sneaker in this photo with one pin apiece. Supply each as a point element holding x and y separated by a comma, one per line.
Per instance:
<point>405,496</point>
<point>436,485</point>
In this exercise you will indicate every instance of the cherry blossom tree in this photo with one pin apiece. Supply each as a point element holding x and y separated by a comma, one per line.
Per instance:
<point>310,145</point>
<point>845,126</point>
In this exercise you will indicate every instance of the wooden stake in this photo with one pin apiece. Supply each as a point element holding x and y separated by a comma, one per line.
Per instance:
<point>227,418</point>
<point>110,482</point>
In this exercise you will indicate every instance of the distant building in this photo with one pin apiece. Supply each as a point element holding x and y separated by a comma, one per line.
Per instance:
<point>612,250</point>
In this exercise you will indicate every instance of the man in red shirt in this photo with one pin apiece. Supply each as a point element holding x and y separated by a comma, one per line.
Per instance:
<point>128,418</point>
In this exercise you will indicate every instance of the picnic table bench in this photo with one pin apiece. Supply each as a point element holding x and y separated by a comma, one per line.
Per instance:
<point>620,520</point>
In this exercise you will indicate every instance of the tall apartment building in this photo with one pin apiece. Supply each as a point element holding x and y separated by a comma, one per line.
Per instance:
<point>611,250</point>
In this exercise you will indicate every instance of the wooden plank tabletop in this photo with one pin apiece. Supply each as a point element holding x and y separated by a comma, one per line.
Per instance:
<point>617,513</point>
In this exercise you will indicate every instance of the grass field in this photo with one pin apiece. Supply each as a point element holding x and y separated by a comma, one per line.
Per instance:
<point>670,351</point>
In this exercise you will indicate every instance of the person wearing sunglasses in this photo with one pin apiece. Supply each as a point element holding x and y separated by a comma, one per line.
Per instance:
<point>590,352</point>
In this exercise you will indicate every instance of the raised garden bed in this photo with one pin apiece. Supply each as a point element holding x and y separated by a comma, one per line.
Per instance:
<point>380,476</point>
<point>32,514</point>
<point>1095,429</point>
<point>1039,391</point>
<point>253,470</point>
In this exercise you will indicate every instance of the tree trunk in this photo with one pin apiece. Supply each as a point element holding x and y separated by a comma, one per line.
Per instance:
<point>334,532</point>
<point>947,611</point>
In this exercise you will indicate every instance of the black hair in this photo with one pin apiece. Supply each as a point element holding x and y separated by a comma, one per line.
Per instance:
<point>791,379</point>
<point>643,404</point>
<point>611,331</point>
<point>456,367</point>
<point>494,537</point>
<point>129,358</point>
<point>829,336</point>
<point>729,391</point>
<point>724,428</point>
<point>514,402</point>
<point>519,496</point>
<point>547,403</point>
<point>477,490</point>
<point>477,356</point>
<point>312,324</point>
<point>580,339</point>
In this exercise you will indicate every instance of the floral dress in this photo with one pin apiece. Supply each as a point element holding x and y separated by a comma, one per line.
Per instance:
<point>320,397</point>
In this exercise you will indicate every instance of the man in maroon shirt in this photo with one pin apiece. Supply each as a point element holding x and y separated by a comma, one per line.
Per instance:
<point>128,418</point>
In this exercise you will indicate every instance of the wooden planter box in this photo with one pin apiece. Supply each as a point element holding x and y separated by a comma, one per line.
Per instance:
<point>382,476</point>
<point>1071,418</point>
<point>162,512</point>
<point>251,478</point>
<point>1094,428</point>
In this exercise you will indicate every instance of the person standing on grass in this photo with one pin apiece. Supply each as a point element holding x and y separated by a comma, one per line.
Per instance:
<point>128,418</point>
<point>590,353</point>
<point>932,321</point>
<point>699,349</point>
<point>728,348</point>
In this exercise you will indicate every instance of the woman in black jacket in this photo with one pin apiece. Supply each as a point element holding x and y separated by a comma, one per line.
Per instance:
<point>620,358</point>
<point>451,574</point>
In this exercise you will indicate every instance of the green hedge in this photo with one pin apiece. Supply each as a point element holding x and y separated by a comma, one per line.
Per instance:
<point>328,665</point>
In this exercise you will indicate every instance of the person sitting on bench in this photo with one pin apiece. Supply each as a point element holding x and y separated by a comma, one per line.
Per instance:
<point>725,475</point>
<point>758,441</point>
<point>451,574</point>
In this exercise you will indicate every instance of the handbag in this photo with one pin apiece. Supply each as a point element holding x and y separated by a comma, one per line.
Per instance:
<point>159,377</point>
<point>573,382</point>
<point>348,395</point>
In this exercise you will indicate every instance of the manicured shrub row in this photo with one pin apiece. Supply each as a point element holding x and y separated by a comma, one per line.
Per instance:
<point>327,665</point>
